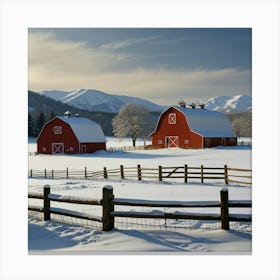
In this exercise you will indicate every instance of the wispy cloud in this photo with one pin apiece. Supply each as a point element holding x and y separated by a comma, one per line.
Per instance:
<point>127,43</point>
<point>68,65</point>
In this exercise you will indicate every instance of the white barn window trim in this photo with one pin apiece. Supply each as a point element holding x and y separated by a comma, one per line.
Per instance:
<point>57,129</point>
<point>172,118</point>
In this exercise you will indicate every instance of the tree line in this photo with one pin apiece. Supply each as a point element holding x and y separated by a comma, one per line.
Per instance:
<point>36,123</point>
<point>135,121</point>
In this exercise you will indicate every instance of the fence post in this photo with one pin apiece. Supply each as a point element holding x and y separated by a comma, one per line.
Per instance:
<point>105,174</point>
<point>201,170</point>
<point>85,172</point>
<point>67,173</point>
<point>108,207</point>
<point>122,171</point>
<point>186,173</point>
<point>45,173</point>
<point>47,214</point>
<point>139,172</point>
<point>226,174</point>
<point>31,173</point>
<point>224,209</point>
<point>160,173</point>
<point>52,173</point>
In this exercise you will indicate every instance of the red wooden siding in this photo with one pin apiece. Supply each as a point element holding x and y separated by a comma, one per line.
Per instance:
<point>165,129</point>
<point>48,137</point>
<point>173,131</point>
<point>222,141</point>
<point>50,142</point>
<point>93,147</point>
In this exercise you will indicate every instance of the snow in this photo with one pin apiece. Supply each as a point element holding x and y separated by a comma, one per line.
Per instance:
<point>96,100</point>
<point>85,129</point>
<point>207,123</point>
<point>230,104</point>
<point>53,236</point>
<point>146,158</point>
<point>181,236</point>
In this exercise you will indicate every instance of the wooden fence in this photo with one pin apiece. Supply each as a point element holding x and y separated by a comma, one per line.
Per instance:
<point>108,203</point>
<point>186,173</point>
<point>126,148</point>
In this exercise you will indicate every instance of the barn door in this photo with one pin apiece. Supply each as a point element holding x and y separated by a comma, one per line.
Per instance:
<point>171,141</point>
<point>57,148</point>
<point>83,149</point>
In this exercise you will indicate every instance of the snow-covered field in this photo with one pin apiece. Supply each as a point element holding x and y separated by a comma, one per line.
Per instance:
<point>232,156</point>
<point>179,237</point>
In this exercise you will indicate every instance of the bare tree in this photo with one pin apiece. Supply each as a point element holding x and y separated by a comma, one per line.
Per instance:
<point>132,120</point>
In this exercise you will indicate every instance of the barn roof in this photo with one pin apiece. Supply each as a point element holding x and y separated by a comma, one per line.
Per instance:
<point>205,122</point>
<point>86,130</point>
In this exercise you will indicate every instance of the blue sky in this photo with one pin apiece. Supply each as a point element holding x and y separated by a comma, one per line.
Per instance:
<point>159,64</point>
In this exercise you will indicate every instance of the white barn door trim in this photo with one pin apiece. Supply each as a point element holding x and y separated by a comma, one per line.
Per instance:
<point>171,141</point>
<point>57,148</point>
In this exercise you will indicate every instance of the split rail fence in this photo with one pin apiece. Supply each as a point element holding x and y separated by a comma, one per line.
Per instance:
<point>108,203</point>
<point>187,173</point>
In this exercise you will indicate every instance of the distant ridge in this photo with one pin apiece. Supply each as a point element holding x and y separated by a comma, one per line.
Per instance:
<point>95,100</point>
<point>230,104</point>
<point>99,101</point>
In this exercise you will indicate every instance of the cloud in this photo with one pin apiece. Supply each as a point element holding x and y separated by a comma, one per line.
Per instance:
<point>69,65</point>
<point>127,43</point>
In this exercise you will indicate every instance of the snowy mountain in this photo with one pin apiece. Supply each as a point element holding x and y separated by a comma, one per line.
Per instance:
<point>95,100</point>
<point>99,101</point>
<point>230,104</point>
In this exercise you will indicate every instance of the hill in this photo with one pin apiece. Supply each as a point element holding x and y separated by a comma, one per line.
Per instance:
<point>230,104</point>
<point>96,100</point>
<point>241,121</point>
<point>38,103</point>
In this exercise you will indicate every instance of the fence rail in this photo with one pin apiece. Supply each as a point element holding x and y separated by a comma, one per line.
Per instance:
<point>126,148</point>
<point>186,173</point>
<point>47,210</point>
<point>108,203</point>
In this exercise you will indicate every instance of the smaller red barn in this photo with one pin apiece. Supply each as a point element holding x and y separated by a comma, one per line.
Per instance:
<point>192,127</point>
<point>70,134</point>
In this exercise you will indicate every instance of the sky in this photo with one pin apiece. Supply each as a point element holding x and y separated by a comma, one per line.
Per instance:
<point>162,65</point>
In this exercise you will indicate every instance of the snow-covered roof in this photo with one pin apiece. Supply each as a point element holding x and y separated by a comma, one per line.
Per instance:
<point>207,123</point>
<point>86,130</point>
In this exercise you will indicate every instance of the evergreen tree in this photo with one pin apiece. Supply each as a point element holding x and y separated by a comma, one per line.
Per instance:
<point>31,126</point>
<point>40,122</point>
<point>50,116</point>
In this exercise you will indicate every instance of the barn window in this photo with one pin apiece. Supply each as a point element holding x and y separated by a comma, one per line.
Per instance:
<point>44,149</point>
<point>172,118</point>
<point>57,129</point>
<point>159,142</point>
<point>71,149</point>
<point>186,141</point>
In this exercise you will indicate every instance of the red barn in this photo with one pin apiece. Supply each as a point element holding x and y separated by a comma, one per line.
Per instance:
<point>193,127</point>
<point>70,134</point>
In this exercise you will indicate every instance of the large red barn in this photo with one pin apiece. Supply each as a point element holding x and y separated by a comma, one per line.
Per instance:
<point>183,127</point>
<point>70,134</point>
